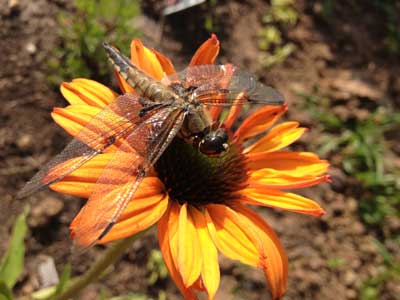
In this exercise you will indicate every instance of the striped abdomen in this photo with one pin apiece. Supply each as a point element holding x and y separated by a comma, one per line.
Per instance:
<point>137,79</point>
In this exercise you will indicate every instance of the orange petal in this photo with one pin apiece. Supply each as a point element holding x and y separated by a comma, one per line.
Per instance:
<point>231,227</point>
<point>165,62</point>
<point>77,183</point>
<point>190,260</point>
<point>146,60</point>
<point>89,92</point>
<point>173,221</point>
<point>282,200</point>
<point>167,227</point>
<point>295,164</point>
<point>74,117</point>
<point>82,181</point>
<point>83,189</point>
<point>199,287</point>
<point>279,137</point>
<point>95,89</point>
<point>229,235</point>
<point>259,121</point>
<point>96,214</point>
<point>215,112</point>
<point>210,269</point>
<point>123,85</point>
<point>234,112</point>
<point>274,259</point>
<point>207,52</point>
<point>140,214</point>
<point>283,182</point>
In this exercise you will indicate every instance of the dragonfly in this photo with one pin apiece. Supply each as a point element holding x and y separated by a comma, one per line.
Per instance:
<point>144,124</point>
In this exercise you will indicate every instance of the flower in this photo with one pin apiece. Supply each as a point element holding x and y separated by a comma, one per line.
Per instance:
<point>201,203</point>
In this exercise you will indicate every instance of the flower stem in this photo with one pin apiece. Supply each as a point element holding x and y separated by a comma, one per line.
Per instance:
<point>110,256</point>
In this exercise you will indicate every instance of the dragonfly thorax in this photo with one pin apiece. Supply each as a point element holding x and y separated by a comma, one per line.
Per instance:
<point>184,92</point>
<point>199,130</point>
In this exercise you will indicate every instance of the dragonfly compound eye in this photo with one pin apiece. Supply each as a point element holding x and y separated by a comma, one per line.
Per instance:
<point>214,143</point>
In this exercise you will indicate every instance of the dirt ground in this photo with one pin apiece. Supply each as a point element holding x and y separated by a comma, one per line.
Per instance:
<point>344,58</point>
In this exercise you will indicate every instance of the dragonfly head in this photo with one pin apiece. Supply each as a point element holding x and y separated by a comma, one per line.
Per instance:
<point>214,142</point>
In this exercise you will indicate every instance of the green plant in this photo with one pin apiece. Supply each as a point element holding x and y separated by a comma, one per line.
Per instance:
<point>156,267</point>
<point>366,155</point>
<point>12,263</point>
<point>327,8</point>
<point>391,17</point>
<point>277,19</point>
<point>82,32</point>
<point>336,262</point>
<point>364,148</point>
<point>209,22</point>
<point>372,288</point>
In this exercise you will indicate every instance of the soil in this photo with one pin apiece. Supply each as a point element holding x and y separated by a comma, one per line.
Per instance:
<point>343,56</point>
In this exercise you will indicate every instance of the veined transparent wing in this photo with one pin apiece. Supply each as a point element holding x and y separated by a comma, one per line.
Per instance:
<point>196,76</point>
<point>112,193</point>
<point>114,122</point>
<point>225,85</point>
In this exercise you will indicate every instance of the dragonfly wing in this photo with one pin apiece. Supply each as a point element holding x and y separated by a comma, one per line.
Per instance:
<point>196,76</point>
<point>242,89</point>
<point>103,130</point>
<point>114,191</point>
<point>225,85</point>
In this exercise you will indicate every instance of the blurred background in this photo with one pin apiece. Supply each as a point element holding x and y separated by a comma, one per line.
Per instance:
<point>336,62</point>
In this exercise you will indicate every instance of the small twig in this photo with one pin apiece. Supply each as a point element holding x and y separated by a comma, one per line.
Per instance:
<point>110,256</point>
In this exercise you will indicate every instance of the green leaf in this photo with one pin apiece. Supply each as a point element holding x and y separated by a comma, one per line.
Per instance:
<point>12,263</point>
<point>65,277</point>
<point>5,292</point>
